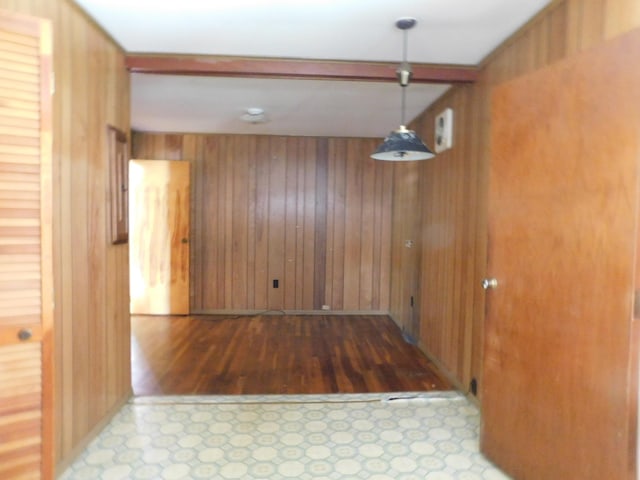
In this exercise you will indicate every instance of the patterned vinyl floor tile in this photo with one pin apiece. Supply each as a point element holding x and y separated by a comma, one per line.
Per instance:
<point>406,436</point>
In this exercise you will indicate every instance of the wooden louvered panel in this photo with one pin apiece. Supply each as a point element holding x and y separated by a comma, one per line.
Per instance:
<point>8,157</point>
<point>27,104</point>
<point>19,149</point>
<point>19,122</point>
<point>20,282</point>
<point>20,411</point>
<point>19,194</point>
<point>18,61</point>
<point>25,223</point>
<point>14,62</point>
<point>18,39</point>
<point>19,169</point>
<point>16,130</point>
<point>18,269</point>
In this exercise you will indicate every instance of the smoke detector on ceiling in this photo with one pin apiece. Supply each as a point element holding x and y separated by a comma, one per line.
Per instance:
<point>254,115</point>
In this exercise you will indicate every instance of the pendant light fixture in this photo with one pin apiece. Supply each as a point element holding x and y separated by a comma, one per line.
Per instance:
<point>403,144</point>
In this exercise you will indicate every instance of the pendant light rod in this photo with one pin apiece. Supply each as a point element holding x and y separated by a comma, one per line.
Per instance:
<point>405,37</point>
<point>404,72</point>
<point>404,91</point>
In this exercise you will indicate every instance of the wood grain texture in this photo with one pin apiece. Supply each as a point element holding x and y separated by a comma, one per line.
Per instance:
<point>563,211</point>
<point>276,354</point>
<point>294,68</point>
<point>159,236</point>
<point>21,411</point>
<point>90,276</point>
<point>26,279</point>
<point>405,261</point>
<point>312,213</point>
<point>454,186</point>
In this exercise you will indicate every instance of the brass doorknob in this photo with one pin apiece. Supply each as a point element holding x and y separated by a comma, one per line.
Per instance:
<point>488,283</point>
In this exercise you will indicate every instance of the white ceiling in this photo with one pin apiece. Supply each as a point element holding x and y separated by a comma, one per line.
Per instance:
<point>459,32</point>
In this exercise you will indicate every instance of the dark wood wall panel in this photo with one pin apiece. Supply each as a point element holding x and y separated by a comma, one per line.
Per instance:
<point>312,213</point>
<point>91,276</point>
<point>453,187</point>
<point>406,228</point>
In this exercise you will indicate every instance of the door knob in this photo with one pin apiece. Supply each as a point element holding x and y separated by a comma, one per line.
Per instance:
<point>488,283</point>
<point>25,334</point>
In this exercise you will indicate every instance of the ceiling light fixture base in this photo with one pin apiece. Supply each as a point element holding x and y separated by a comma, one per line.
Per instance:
<point>254,115</point>
<point>406,23</point>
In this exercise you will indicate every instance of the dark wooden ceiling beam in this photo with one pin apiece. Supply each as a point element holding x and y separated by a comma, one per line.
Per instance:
<point>299,69</point>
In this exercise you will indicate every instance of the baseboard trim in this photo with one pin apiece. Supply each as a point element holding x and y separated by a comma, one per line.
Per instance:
<point>289,312</point>
<point>66,462</point>
<point>447,373</point>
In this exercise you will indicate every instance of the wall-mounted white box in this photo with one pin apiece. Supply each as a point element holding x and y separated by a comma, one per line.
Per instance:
<point>444,130</point>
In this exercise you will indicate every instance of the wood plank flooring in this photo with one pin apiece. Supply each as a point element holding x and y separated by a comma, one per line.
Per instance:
<point>276,354</point>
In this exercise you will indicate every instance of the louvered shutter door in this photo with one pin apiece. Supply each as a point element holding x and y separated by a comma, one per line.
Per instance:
<point>25,248</point>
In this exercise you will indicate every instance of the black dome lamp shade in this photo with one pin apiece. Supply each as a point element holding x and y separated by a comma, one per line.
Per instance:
<point>403,144</point>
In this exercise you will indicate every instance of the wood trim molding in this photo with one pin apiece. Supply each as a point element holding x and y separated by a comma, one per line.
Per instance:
<point>91,435</point>
<point>294,68</point>
<point>310,313</point>
<point>118,159</point>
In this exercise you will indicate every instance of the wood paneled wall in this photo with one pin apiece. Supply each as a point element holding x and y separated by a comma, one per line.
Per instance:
<point>405,299</point>
<point>453,187</point>
<point>90,275</point>
<point>313,213</point>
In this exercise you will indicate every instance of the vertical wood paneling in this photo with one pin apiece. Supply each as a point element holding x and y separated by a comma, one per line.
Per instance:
<point>82,380</point>
<point>262,226</point>
<point>251,224</point>
<point>308,217</point>
<point>290,216</point>
<point>454,186</point>
<point>405,259</point>
<point>313,213</point>
<point>320,225</point>
<point>90,275</point>
<point>351,234</point>
<point>226,214</point>
<point>239,208</point>
<point>276,219</point>
<point>367,231</point>
<point>336,204</point>
<point>385,196</point>
<point>621,16</point>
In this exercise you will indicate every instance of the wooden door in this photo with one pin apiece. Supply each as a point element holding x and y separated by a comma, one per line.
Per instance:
<point>560,363</point>
<point>26,285</point>
<point>159,207</point>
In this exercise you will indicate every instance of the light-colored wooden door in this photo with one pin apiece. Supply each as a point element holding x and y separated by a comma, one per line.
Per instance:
<point>26,285</point>
<point>159,208</point>
<point>559,392</point>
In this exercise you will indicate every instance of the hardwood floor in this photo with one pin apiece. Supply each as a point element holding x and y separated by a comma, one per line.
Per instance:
<point>276,354</point>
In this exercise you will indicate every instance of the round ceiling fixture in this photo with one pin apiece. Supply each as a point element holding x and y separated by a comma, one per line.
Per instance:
<point>254,115</point>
